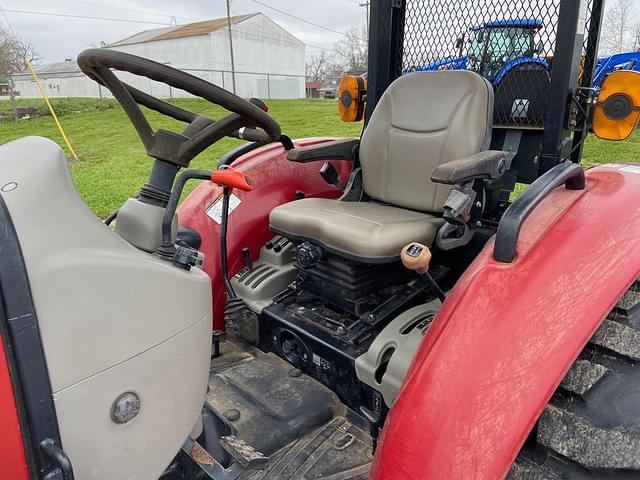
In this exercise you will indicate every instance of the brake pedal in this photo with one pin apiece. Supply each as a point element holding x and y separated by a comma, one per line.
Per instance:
<point>243,453</point>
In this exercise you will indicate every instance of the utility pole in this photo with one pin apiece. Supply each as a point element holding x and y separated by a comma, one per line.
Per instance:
<point>366,5</point>
<point>233,66</point>
<point>12,96</point>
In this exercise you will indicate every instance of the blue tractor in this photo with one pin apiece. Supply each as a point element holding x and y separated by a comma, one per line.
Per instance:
<point>495,48</point>
<point>509,55</point>
<point>618,61</point>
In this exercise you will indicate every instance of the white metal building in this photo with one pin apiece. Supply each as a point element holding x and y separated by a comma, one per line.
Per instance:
<point>269,61</point>
<point>63,79</point>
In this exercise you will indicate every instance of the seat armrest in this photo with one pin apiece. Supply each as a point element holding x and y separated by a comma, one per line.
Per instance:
<point>489,164</point>
<point>343,149</point>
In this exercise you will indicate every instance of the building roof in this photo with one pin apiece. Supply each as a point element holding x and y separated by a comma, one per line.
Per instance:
<point>180,31</point>
<point>533,23</point>
<point>66,69</point>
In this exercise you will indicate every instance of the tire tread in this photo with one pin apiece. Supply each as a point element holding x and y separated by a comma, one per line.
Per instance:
<point>591,427</point>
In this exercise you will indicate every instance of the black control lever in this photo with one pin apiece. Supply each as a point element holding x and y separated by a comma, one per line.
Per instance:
<point>182,256</point>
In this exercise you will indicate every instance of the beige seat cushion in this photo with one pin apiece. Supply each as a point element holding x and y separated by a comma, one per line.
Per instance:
<point>358,229</point>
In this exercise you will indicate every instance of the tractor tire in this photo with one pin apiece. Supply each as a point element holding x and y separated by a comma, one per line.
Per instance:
<point>591,427</point>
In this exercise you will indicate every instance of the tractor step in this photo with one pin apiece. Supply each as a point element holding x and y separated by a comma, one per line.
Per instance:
<point>317,455</point>
<point>275,410</point>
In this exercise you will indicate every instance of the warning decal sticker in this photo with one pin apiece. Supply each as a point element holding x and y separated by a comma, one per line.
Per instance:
<point>214,211</point>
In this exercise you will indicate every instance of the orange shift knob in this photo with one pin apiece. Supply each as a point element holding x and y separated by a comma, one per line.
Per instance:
<point>416,256</point>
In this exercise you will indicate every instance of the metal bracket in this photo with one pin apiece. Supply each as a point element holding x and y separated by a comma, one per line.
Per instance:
<point>208,464</point>
<point>511,145</point>
<point>446,239</point>
<point>245,456</point>
<point>243,453</point>
<point>57,456</point>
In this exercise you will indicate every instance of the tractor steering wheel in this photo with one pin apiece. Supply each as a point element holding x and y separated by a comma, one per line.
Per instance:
<point>246,121</point>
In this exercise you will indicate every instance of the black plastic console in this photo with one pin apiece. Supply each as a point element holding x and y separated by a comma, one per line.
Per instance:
<point>317,352</point>
<point>324,340</point>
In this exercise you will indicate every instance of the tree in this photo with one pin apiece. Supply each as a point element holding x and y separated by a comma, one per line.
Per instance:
<point>351,52</point>
<point>15,53</point>
<point>636,39</point>
<point>316,67</point>
<point>617,34</point>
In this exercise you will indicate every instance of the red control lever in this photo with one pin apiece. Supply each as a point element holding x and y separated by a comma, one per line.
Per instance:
<point>232,178</point>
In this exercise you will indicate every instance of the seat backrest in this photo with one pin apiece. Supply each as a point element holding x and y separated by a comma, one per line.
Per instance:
<point>422,120</point>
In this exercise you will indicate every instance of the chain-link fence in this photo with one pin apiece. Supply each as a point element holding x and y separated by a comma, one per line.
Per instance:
<point>67,80</point>
<point>509,42</point>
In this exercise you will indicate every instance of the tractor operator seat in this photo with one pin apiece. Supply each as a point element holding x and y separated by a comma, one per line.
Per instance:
<point>423,120</point>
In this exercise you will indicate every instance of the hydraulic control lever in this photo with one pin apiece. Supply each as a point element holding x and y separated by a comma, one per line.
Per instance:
<point>238,318</point>
<point>185,257</point>
<point>228,178</point>
<point>417,257</point>
<point>181,256</point>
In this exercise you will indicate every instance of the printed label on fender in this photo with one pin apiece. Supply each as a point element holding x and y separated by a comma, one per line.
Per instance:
<point>214,211</point>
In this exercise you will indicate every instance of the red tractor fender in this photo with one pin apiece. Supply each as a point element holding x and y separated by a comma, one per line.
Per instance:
<point>275,180</point>
<point>508,333</point>
<point>12,454</point>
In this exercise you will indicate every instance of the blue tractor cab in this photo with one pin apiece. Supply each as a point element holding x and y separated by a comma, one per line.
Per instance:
<point>507,53</point>
<point>496,47</point>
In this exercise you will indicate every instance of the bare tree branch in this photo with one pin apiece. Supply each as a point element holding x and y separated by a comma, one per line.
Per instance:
<point>15,53</point>
<point>351,53</point>
<point>316,67</point>
<point>636,38</point>
<point>617,30</point>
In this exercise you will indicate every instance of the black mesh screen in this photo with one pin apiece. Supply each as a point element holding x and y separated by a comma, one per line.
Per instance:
<point>589,57</point>
<point>509,42</point>
<point>589,53</point>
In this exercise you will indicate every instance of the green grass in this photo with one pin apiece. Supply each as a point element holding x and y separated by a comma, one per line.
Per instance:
<point>599,151</point>
<point>63,106</point>
<point>113,164</point>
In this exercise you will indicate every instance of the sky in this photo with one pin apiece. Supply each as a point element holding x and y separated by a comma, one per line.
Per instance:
<point>57,38</point>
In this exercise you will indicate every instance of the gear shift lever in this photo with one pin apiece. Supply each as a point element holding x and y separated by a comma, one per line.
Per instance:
<point>416,257</point>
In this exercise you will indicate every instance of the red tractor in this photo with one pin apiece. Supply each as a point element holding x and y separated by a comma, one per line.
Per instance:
<point>327,308</point>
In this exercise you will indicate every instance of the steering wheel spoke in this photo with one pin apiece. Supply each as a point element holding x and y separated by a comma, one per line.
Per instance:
<point>161,106</point>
